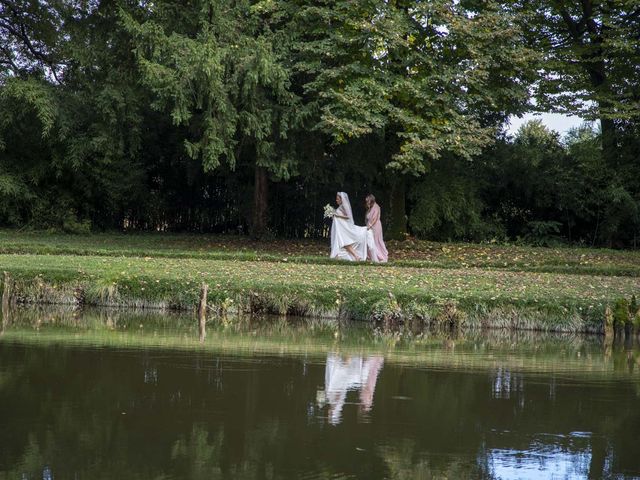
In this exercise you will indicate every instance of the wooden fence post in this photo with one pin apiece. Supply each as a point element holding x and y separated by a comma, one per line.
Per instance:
<point>7,298</point>
<point>202,312</point>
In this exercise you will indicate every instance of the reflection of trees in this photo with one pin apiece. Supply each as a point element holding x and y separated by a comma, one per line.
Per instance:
<point>95,414</point>
<point>32,462</point>
<point>450,414</point>
<point>404,461</point>
<point>57,420</point>
<point>200,457</point>
<point>65,317</point>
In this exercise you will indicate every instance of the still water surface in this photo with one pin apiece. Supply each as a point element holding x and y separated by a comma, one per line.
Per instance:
<point>118,396</point>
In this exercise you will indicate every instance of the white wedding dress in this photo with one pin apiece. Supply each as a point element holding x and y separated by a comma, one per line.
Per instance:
<point>344,233</point>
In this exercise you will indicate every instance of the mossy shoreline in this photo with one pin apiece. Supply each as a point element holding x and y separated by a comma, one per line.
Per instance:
<point>391,306</point>
<point>426,284</point>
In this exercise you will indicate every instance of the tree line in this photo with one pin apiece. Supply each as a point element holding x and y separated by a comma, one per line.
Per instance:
<point>246,116</point>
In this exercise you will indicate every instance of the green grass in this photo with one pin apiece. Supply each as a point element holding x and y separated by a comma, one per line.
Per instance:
<point>411,253</point>
<point>168,270</point>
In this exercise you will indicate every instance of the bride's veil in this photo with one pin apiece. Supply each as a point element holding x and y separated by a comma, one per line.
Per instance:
<point>346,206</point>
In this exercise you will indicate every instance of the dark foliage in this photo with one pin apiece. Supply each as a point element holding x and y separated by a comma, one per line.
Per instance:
<point>164,116</point>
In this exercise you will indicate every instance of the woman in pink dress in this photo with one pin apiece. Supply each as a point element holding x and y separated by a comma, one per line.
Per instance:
<point>373,224</point>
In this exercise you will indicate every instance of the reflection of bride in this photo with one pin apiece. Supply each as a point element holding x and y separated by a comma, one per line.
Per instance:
<point>348,240</point>
<point>352,373</point>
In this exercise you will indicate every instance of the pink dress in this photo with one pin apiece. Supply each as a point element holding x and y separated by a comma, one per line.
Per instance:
<point>373,220</point>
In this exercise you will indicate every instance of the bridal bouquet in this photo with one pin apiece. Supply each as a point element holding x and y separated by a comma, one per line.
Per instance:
<point>329,211</point>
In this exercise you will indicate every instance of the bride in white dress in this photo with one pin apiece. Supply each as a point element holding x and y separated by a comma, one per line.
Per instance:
<point>348,240</point>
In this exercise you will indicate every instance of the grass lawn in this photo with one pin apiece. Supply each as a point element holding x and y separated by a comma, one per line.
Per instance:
<point>412,253</point>
<point>503,286</point>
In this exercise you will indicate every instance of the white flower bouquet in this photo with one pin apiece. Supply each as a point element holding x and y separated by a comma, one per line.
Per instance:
<point>329,211</point>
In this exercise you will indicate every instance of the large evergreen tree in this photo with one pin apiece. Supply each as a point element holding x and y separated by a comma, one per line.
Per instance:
<point>213,67</point>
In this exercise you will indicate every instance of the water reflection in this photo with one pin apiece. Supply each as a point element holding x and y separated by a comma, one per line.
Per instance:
<point>549,462</point>
<point>507,383</point>
<point>101,397</point>
<point>343,374</point>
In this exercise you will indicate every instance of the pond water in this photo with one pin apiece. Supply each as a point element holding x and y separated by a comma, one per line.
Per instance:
<point>108,395</point>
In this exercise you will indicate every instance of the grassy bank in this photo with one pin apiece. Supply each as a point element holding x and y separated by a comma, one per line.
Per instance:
<point>168,271</point>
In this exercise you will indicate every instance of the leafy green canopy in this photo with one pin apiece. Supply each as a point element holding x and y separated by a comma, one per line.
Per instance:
<point>70,133</point>
<point>439,76</point>
<point>110,112</point>
<point>212,65</point>
<point>590,55</point>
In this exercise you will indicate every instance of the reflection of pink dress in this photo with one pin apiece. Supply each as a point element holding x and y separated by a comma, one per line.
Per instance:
<point>373,220</point>
<point>351,373</point>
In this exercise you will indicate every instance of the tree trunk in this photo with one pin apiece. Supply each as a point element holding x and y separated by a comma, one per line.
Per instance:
<point>593,62</point>
<point>259,227</point>
<point>598,77</point>
<point>609,143</point>
<point>398,209</point>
